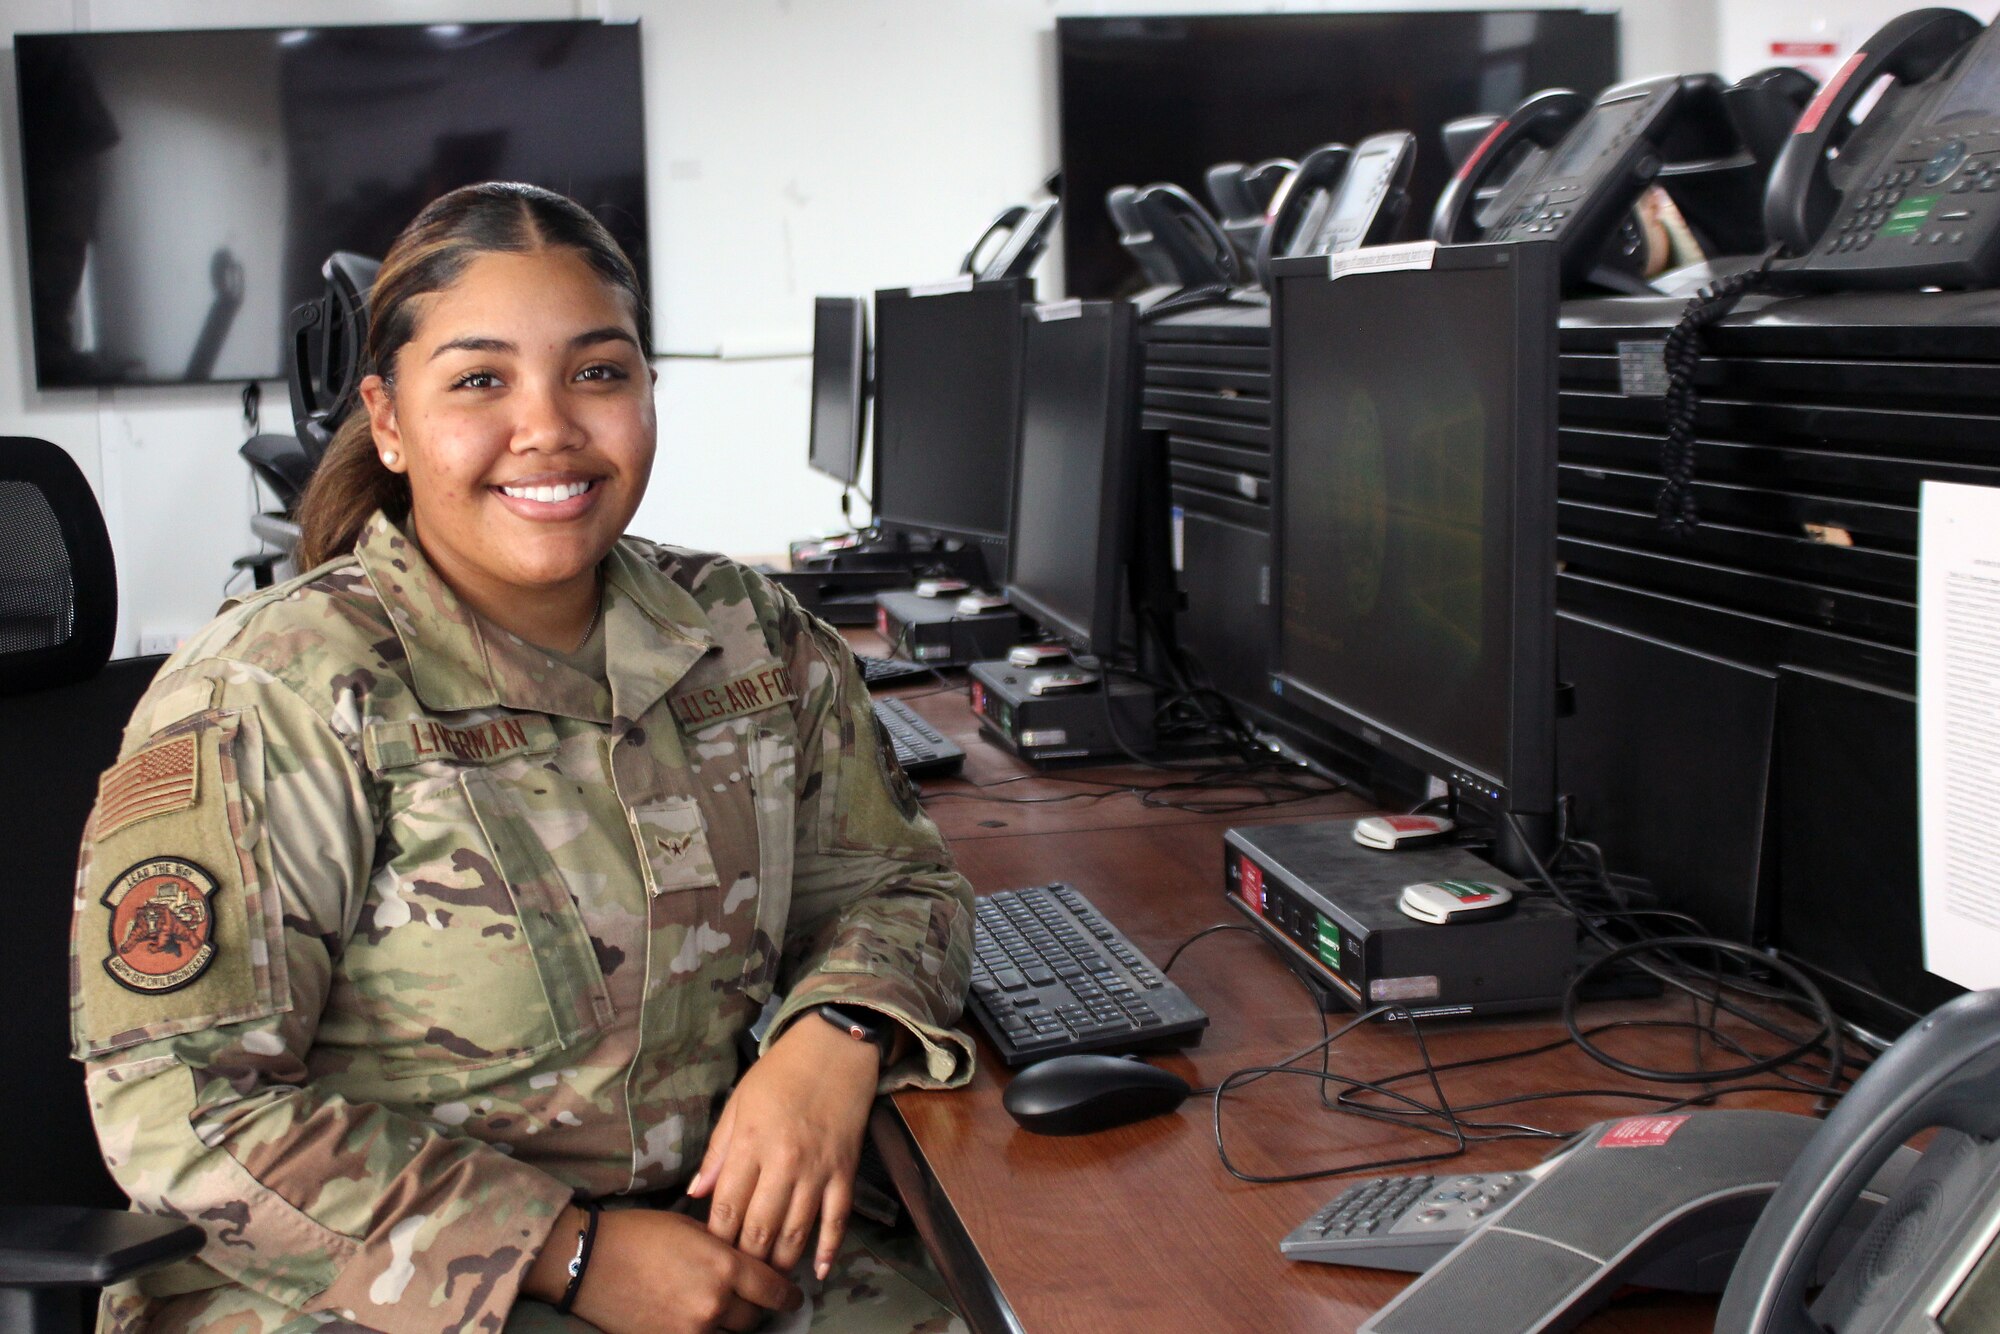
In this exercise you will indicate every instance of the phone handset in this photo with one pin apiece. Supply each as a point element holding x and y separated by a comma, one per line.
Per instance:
<point>1537,125</point>
<point>1003,226</point>
<point>1029,237</point>
<point>1943,1073</point>
<point>1300,204</point>
<point>1802,197</point>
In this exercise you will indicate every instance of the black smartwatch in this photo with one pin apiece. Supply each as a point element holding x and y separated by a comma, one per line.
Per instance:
<point>862,1026</point>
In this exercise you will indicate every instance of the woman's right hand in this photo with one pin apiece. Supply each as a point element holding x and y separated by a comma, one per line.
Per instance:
<point>654,1272</point>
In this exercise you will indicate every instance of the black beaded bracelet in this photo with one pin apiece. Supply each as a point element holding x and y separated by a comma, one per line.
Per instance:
<point>586,1237</point>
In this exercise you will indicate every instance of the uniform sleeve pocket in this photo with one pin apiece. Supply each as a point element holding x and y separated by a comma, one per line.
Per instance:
<point>176,925</point>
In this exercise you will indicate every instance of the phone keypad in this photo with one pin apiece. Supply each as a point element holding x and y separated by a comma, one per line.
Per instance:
<point>1546,213</point>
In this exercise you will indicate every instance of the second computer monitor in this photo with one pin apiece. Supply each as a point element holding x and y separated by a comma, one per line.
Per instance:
<point>1074,496</point>
<point>839,386</point>
<point>947,413</point>
<point>1415,528</point>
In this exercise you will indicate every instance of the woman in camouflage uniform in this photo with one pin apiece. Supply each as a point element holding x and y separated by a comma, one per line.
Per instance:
<point>483,843</point>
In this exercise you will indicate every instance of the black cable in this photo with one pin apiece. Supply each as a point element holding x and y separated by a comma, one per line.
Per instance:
<point>1684,977</point>
<point>1675,505</point>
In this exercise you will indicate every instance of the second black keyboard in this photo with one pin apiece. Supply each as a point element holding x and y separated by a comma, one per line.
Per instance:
<point>888,671</point>
<point>920,748</point>
<point>1052,977</point>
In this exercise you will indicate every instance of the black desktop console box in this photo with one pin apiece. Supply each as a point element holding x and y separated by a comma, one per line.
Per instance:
<point>935,632</point>
<point>1329,905</point>
<point>1068,726</point>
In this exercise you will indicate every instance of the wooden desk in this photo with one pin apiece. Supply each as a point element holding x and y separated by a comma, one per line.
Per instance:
<point>1141,1228</point>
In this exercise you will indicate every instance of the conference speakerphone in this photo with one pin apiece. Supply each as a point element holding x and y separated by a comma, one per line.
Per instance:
<point>929,631</point>
<point>1040,726</point>
<point>1329,904</point>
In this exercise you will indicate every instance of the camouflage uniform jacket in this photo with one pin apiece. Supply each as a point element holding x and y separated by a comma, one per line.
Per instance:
<point>393,933</point>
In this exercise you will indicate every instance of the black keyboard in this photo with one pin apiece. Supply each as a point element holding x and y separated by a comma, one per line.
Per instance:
<point>920,748</point>
<point>1051,977</point>
<point>888,671</point>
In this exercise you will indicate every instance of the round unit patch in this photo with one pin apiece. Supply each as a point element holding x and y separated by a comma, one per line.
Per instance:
<point>162,927</point>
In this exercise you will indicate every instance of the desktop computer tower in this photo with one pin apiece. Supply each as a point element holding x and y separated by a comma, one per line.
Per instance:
<point>934,632</point>
<point>1075,725</point>
<point>1666,755</point>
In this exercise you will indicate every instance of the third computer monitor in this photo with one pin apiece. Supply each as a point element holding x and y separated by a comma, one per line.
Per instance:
<point>1075,492</point>
<point>947,413</point>
<point>839,386</point>
<point>1415,515</point>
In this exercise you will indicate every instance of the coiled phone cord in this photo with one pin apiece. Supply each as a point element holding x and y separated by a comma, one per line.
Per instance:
<point>1676,506</point>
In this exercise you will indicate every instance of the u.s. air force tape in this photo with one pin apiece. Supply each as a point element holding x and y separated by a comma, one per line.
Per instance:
<point>758,688</point>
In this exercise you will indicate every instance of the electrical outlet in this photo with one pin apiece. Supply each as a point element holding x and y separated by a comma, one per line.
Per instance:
<point>153,642</point>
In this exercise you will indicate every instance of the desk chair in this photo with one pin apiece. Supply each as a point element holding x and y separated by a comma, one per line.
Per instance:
<point>63,1222</point>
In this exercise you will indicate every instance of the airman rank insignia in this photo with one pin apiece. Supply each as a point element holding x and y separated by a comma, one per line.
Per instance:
<point>162,927</point>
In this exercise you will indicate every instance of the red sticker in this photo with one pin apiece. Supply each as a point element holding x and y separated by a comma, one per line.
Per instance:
<point>979,698</point>
<point>1252,882</point>
<point>1642,1132</point>
<point>1817,111</point>
<point>1402,823</point>
<point>882,622</point>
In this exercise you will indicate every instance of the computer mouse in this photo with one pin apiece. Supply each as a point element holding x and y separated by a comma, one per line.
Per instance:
<point>1076,1095</point>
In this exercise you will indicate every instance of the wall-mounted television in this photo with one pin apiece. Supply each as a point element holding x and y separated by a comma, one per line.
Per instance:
<point>1145,99</point>
<point>183,188</point>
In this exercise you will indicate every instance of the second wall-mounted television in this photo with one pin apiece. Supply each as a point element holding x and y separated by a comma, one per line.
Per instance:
<point>183,188</point>
<point>1164,98</point>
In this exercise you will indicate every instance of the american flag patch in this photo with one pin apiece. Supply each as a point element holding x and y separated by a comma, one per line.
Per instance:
<point>156,781</point>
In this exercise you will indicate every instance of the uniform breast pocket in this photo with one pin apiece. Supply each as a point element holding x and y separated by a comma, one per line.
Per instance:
<point>473,952</point>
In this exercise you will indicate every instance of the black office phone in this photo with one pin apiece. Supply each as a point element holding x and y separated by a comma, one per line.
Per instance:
<point>1583,190</point>
<point>1202,257</point>
<point>1910,195</point>
<point>1122,203</point>
<point>1241,195</point>
<point>1929,1263</point>
<point>1339,200</point>
<point>1017,236</point>
<point>1512,151</point>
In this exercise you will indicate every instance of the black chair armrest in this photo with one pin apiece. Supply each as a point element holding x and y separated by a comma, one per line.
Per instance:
<point>49,1246</point>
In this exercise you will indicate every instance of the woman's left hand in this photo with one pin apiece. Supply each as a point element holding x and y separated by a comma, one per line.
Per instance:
<point>786,1145</point>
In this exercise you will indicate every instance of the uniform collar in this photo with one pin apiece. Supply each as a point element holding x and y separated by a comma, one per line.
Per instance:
<point>654,633</point>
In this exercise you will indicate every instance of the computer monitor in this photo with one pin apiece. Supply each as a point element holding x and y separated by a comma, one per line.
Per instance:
<point>947,413</point>
<point>1076,490</point>
<point>839,386</point>
<point>1414,544</point>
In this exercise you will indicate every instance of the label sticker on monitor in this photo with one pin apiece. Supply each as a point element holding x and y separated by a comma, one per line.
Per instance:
<point>1382,258</point>
<point>1060,310</point>
<point>959,284</point>
<point>1179,538</point>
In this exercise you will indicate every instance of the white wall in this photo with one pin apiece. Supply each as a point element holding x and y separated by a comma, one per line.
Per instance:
<point>1750,28</point>
<point>796,147</point>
